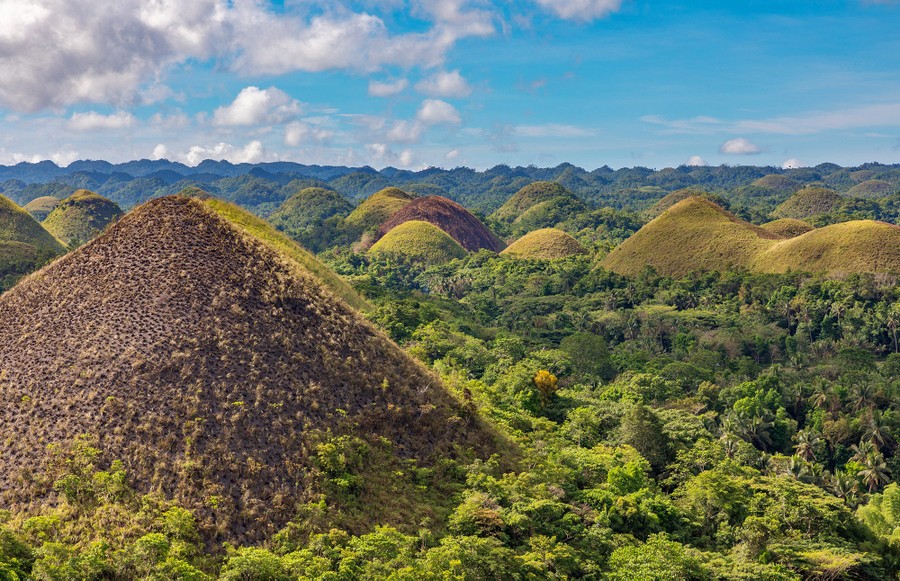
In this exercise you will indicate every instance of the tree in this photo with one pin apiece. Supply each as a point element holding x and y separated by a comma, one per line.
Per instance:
<point>642,429</point>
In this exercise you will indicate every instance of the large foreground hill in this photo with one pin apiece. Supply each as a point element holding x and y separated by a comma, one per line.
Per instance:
<point>212,366</point>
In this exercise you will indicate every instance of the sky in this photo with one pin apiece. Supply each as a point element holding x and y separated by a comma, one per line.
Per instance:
<point>418,83</point>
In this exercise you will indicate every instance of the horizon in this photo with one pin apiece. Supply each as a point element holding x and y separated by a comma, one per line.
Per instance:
<point>405,84</point>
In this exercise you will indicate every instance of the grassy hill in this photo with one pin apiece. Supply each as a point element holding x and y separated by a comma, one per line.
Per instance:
<point>529,196</point>
<point>311,217</point>
<point>281,243</point>
<point>673,198</point>
<point>788,227</point>
<point>40,208</point>
<point>450,217</point>
<point>80,217</point>
<point>377,208</point>
<point>546,244</point>
<point>421,242</point>
<point>848,247</point>
<point>808,202</point>
<point>24,244</point>
<point>223,376</point>
<point>873,189</point>
<point>777,183</point>
<point>694,234</point>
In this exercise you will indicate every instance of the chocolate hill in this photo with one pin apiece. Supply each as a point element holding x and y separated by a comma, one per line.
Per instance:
<point>80,217</point>
<point>24,244</point>
<point>210,364</point>
<point>450,217</point>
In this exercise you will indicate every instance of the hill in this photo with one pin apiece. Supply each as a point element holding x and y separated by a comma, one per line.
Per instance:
<point>787,227</point>
<point>311,217</point>
<point>777,183</point>
<point>420,242</point>
<point>546,244</point>
<point>694,234</point>
<point>24,244</point>
<point>80,217</point>
<point>40,208</point>
<point>848,247</point>
<point>450,217</point>
<point>377,208</point>
<point>673,198</point>
<point>808,202</point>
<point>873,189</point>
<point>222,375</point>
<point>529,196</point>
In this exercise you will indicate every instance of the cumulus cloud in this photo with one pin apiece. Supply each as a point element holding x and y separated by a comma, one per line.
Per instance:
<point>254,106</point>
<point>381,154</point>
<point>444,84</point>
<point>253,152</point>
<point>93,121</point>
<point>388,88</point>
<point>584,10</point>
<point>298,133</point>
<point>451,155</point>
<point>739,146</point>
<point>792,163</point>
<point>696,161</point>
<point>57,52</point>
<point>437,112</point>
<point>160,152</point>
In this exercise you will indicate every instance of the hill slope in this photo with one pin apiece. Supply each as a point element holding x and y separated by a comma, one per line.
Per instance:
<point>808,202</point>
<point>378,207</point>
<point>40,208</point>
<point>546,244</point>
<point>873,189</point>
<point>529,196</point>
<point>80,217</point>
<point>788,227</point>
<point>24,244</point>
<point>213,368</point>
<point>694,234</point>
<point>420,242</point>
<point>450,217</point>
<point>310,216</point>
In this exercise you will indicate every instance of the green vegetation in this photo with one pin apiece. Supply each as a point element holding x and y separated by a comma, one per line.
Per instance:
<point>671,199</point>
<point>808,202</point>
<point>873,189</point>
<point>377,208</point>
<point>535,206</point>
<point>313,217</point>
<point>24,244</point>
<point>420,243</point>
<point>788,227</point>
<point>529,196</point>
<point>80,217</point>
<point>450,217</point>
<point>777,183</point>
<point>545,244</point>
<point>40,208</point>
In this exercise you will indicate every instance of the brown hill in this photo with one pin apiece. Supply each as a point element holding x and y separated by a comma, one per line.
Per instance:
<point>40,208</point>
<point>788,227</point>
<point>777,183</point>
<point>80,217</point>
<point>450,217</point>
<point>873,189</point>
<point>214,368</point>
<point>808,202</point>
<point>673,198</point>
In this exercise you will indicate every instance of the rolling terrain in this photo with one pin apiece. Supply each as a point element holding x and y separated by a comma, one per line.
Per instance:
<point>450,217</point>
<point>80,217</point>
<point>377,208</point>
<point>24,244</point>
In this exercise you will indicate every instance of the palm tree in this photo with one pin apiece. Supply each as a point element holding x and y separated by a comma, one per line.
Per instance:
<point>844,486</point>
<point>807,440</point>
<point>875,472</point>
<point>863,450</point>
<point>877,432</point>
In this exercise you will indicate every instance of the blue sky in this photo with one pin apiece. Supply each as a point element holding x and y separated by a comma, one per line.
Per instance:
<point>413,83</point>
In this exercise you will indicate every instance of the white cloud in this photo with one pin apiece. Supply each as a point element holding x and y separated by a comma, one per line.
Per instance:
<point>387,89</point>
<point>160,152</point>
<point>444,84</point>
<point>405,131</point>
<point>436,112</point>
<point>93,121</point>
<point>581,9</point>
<point>253,152</point>
<point>739,146</point>
<point>792,163</point>
<point>297,133</point>
<point>381,154</point>
<point>696,161</point>
<point>451,155</point>
<point>255,106</point>
<point>552,130</point>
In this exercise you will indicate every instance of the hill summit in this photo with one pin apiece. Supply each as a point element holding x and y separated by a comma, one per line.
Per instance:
<point>450,217</point>
<point>214,367</point>
<point>80,217</point>
<point>24,244</point>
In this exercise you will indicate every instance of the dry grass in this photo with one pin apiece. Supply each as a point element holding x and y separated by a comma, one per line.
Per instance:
<point>808,202</point>
<point>450,217</point>
<point>545,244</point>
<point>673,198</point>
<point>420,242</point>
<point>777,183</point>
<point>873,189</point>
<point>378,207</point>
<point>788,227</point>
<point>81,217</point>
<point>211,365</point>
<point>40,208</point>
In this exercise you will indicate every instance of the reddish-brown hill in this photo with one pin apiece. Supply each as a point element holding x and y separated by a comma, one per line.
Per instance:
<point>450,217</point>
<point>211,366</point>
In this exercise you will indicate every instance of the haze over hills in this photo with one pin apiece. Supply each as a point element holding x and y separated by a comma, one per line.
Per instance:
<point>210,365</point>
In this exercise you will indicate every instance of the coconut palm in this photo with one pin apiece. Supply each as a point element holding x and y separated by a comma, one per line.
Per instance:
<point>807,440</point>
<point>875,472</point>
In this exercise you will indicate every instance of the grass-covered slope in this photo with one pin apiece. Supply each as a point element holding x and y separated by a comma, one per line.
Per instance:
<point>450,217</point>
<point>420,242</point>
<point>694,234</point>
<point>788,227</point>
<point>848,247</point>
<point>873,189</point>
<point>221,374</point>
<point>281,243</point>
<point>777,183</point>
<point>808,202</point>
<point>312,217</point>
<point>80,217</point>
<point>24,244</point>
<point>529,196</point>
<point>673,198</point>
<point>40,208</point>
<point>546,244</point>
<point>377,208</point>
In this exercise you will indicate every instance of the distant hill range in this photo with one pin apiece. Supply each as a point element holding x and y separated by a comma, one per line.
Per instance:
<point>264,186</point>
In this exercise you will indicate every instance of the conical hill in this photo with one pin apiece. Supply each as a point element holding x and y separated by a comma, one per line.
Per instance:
<point>80,217</point>
<point>378,207</point>
<point>545,244</point>
<point>450,217</point>
<point>214,368</point>
<point>24,244</point>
